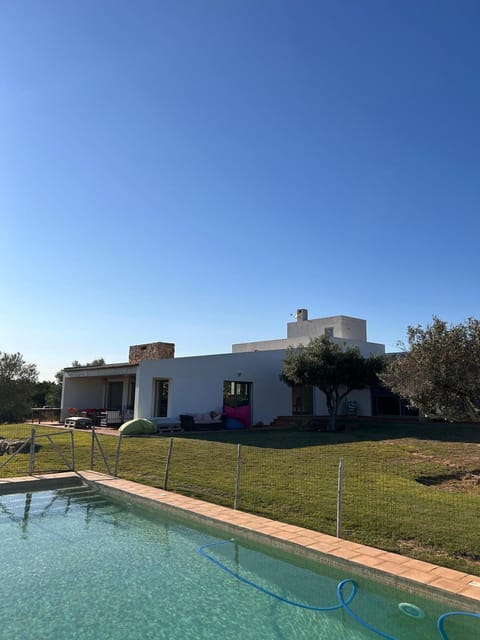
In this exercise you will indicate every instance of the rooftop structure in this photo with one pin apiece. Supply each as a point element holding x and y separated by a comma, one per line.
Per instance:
<point>341,329</point>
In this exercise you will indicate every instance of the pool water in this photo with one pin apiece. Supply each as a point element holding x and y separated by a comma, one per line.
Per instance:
<point>76,565</point>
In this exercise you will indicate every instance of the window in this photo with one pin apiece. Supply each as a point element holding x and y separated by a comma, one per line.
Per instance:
<point>161,399</point>
<point>131,394</point>
<point>302,401</point>
<point>115,395</point>
<point>329,332</point>
<point>236,394</point>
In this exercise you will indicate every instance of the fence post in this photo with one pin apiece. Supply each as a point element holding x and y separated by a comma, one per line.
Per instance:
<point>102,453</point>
<point>31,461</point>
<point>237,483</point>
<point>339,498</point>
<point>92,445</point>
<point>117,455</point>
<point>167,464</point>
<point>72,447</point>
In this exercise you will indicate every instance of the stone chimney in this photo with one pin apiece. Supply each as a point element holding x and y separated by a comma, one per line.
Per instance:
<point>151,351</point>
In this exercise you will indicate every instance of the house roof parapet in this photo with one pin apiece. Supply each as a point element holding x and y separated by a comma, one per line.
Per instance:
<point>107,370</point>
<point>102,366</point>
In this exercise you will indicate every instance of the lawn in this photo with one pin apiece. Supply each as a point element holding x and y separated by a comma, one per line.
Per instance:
<point>409,488</point>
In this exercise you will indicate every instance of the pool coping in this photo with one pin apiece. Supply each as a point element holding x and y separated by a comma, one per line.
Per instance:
<point>401,571</point>
<point>39,482</point>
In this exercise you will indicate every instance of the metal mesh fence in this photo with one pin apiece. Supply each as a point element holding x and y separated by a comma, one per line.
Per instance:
<point>418,505</point>
<point>27,449</point>
<point>424,510</point>
<point>206,470</point>
<point>294,486</point>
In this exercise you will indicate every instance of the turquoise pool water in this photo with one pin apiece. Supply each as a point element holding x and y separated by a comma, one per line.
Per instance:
<point>75,565</point>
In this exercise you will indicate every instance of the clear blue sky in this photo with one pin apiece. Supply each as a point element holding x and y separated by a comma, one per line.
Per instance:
<point>195,171</point>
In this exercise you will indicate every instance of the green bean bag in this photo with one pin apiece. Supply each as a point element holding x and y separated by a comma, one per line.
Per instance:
<point>138,426</point>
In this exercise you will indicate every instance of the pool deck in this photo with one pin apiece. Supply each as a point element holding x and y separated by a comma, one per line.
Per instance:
<point>396,569</point>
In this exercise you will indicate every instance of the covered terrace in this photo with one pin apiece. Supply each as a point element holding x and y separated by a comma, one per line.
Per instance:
<point>106,393</point>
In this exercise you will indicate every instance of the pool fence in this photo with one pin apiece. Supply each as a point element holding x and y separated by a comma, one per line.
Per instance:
<point>402,502</point>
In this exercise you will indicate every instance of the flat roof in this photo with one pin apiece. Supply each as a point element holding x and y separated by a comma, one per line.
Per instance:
<point>102,366</point>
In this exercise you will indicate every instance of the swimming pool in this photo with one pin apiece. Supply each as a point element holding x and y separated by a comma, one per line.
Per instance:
<point>78,565</point>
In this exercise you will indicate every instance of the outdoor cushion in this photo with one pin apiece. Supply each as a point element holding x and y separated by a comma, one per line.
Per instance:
<point>233,423</point>
<point>240,413</point>
<point>201,418</point>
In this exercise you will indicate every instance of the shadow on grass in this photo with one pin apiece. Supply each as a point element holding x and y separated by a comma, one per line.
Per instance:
<point>356,430</point>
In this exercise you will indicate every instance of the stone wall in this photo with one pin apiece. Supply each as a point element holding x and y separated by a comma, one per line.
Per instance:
<point>151,351</point>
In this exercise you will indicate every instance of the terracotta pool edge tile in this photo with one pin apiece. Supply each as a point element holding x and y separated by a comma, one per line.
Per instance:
<point>368,562</point>
<point>448,574</point>
<point>471,592</point>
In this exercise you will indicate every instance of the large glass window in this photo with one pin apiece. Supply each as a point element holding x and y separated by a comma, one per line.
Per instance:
<point>115,395</point>
<point>131,394</point>
<point>302,401</point>
<point>161,399</point>
<point>236,394</point>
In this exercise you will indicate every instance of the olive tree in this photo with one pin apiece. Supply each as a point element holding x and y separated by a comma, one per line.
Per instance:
<point>438,373</point>
<point>334,369</point>
<point>17,381</point>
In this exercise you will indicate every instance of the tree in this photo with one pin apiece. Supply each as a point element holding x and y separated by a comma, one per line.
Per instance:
<point>47,394</point>
<point>334,370</point>
<point>439,373</point>
<point>97,362</point>
<point>17,380</point>
<point>40,392</point>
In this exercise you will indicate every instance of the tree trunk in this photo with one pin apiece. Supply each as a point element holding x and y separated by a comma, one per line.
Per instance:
<point>332,417</point>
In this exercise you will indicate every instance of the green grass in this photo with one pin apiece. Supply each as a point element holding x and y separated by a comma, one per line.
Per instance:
<point>409,488</point>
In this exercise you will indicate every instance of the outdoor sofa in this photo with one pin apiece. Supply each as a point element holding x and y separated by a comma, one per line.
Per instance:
<point>201,421</point>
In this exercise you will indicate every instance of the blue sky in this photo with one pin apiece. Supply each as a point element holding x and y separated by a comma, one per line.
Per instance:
<point>194,172</point>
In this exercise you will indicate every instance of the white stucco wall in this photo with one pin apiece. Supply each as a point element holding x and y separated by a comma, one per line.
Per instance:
<point>196,386</point>
<point>343,327</point>
<point>81,393</point>
<point>352,331</point>
<point>196,383</point>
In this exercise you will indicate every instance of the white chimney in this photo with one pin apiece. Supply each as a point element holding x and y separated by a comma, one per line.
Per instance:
<point>302,315</point>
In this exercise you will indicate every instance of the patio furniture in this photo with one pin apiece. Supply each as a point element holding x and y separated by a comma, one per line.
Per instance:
<point>201,421</point>
<point>110,418</point>
<point>78,422</point>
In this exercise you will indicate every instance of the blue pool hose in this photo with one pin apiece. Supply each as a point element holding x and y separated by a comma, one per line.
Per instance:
<point>342,602</point>
<point>444,616</point>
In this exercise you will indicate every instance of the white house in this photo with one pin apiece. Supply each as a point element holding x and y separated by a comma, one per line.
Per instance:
<point>156,384</point>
